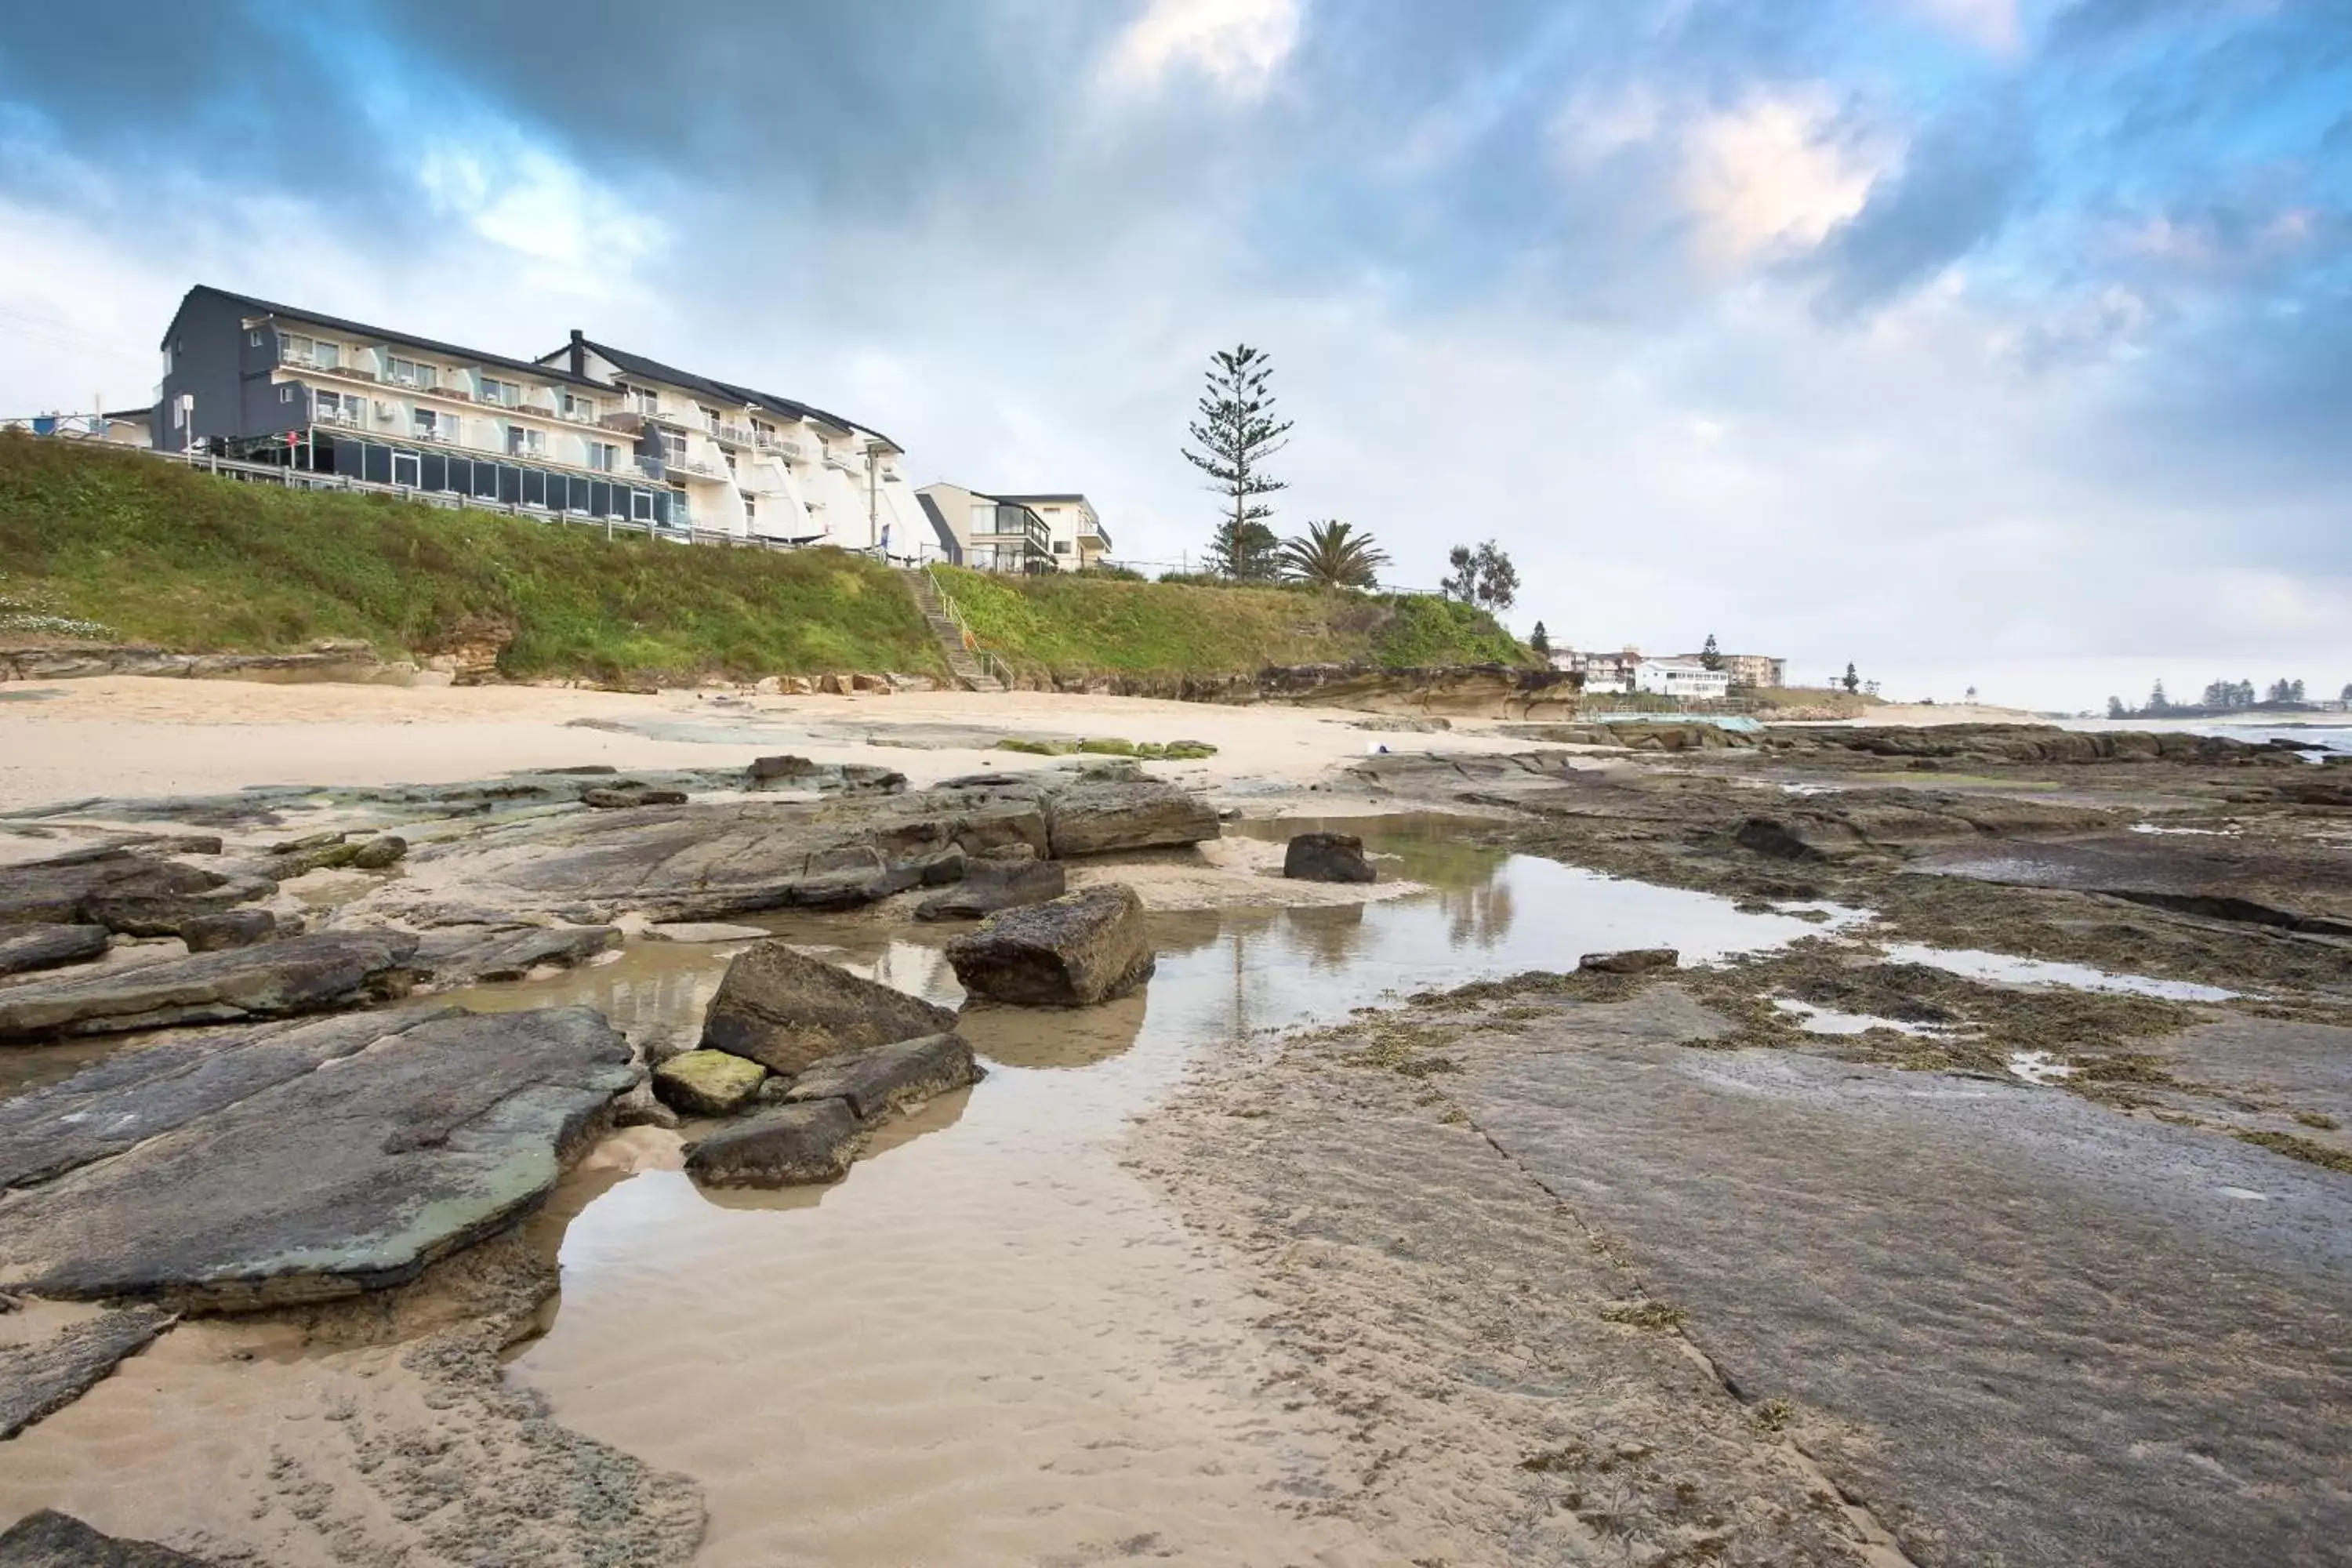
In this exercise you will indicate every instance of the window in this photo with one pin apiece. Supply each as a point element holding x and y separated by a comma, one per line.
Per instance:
<point>524,442</point>
<point>644,400</point>
<point>326,356</point>
<point>167,359</point>
<point>409,372</point>
<point>711,417</point>
<point>404,468</point>
<point>286,392</point>
<point>674,447</point>
<point>328,405</point>
<point>578,408</point>
<point>731,460</point>
<point>761,428</point>
<point>1061,547</point>
<point>505,394</point>
<point>534,487</point>
<point>427,424</point>
<point>253,339</point>
<point>600,456</point>
<point>751,510</point>
<point>641,506</point>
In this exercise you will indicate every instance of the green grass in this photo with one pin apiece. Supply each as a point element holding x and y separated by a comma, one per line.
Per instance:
<point>1072,625</point>
<point>156,553</point>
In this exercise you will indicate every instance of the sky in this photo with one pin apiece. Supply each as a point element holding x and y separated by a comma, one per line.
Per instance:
<point>1991,343</point>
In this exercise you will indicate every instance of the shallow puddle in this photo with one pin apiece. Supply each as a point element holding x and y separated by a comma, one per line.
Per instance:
<point>994,1344</point>
<point>1816,1020</point>
<point>2001,966</point>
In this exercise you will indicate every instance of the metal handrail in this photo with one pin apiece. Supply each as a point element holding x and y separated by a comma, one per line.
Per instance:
<point>988,662</point>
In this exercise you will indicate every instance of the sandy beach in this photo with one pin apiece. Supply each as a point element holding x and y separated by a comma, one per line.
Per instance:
<point>1370,1231</point>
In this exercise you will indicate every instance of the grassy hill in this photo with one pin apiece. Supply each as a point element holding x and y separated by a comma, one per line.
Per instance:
<point>115,546</point>
<point>1076,625</point>
<point>157,554</point>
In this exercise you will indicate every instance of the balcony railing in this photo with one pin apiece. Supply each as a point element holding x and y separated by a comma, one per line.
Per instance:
<point>439,435</point>
<point>733,435</point>
<point>784,445</point>
<point>679,465</point>
<point>577,416</point>
<point>335,417</point>
<point>847,462</point>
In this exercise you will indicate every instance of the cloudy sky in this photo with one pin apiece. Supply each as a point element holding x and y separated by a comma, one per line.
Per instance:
<point>1991,342</point>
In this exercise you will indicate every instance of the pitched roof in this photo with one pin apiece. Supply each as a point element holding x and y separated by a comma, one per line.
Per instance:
<point>384,334</point>
<point>724,391</point>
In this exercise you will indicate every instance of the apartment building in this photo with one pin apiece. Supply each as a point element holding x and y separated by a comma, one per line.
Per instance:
<point>585,431</point>
<point>1752,669</point>
<point>986,532</point>
<point>753,463</point>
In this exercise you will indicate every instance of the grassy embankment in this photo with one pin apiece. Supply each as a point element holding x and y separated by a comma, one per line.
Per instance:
<point>1077,626</point>
<point>111,546</point>
<point>155,553</point>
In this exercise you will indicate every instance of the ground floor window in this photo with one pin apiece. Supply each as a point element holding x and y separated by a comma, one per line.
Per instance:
<point>510,484</point>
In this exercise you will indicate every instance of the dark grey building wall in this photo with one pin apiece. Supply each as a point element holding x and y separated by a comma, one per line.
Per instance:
<point>213,356</point>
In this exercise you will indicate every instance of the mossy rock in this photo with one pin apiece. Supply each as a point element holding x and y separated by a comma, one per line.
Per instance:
<point>708,1083</point>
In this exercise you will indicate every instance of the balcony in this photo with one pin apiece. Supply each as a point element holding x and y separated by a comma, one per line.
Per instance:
<point>783,446</point>
<point>434,434</point>
<point>335,417</point>
<point>650,468</point>
<point>847,462</point>
<point>693,465</point>
<point>733,435</point>
<point>578,416</point>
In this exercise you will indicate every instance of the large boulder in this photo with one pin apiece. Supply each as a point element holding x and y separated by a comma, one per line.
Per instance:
<point>708,1083</point>
<point>1094,817</point>
<point>1326,857</point>
<point>52,1539</point>
<point>889,1078</point>
<point>229,928</point>
<point>29,947</point>
<point>1074,951</point>
<point>793,1145</point>
<point>990,885</point>
<point>1630,960</point>
<point>325,973</point>
<point>788,1011</point>
<point>359,1151</point>
<point>119,889</point>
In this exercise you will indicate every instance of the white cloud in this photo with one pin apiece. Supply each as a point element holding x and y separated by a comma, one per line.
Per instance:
<point>1772,176</point>
<point>1991,25</point>
<point>1239,45</point>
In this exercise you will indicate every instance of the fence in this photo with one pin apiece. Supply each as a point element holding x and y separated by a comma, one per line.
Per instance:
<point>89,427</point>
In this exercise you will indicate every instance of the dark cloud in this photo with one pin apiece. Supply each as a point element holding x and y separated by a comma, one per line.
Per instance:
<point>1957,187</point>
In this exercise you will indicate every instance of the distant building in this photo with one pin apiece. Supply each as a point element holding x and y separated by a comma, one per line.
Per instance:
<point>1077,533</point>
<point>1683,678</point>
<point>1053,532</point>
<point>986,532</point>
<point>588,430</point>
<point>1752,669</point>
<point>1602,671</point>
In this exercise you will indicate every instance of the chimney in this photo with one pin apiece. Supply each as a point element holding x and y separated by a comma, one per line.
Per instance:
<point>579,352</point>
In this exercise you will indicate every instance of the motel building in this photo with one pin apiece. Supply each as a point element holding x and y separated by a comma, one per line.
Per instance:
<point>588,430</point>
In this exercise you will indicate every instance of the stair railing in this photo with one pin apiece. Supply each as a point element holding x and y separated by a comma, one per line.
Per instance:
<point>986,660</point>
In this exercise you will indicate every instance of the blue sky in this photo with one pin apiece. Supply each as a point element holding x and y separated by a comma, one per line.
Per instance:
<point>1991,342</point>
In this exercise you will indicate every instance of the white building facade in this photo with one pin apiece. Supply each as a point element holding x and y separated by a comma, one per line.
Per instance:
<point>1683,678</point>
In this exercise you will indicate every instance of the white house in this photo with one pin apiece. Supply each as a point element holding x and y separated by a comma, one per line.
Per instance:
<point>1683,678</point>
<point>1013,532</point>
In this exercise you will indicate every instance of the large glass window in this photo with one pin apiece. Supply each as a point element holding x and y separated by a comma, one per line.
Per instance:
<point>376,464</point>
<point>509,483</point>
<point>408,372</point>
<point>600,498</point>
<point>461,476</point>
<point>641,506</point>
<point>436,472</point>
<point>505,394</point>
<point>486,481</point>
<point>600,456</point>
<point>534,487</point>
<point>405,468</point>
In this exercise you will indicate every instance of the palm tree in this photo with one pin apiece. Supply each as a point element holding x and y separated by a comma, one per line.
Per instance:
<point>1333,555</point>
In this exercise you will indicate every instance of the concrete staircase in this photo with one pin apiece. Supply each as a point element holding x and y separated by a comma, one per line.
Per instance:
<point>969,672</point>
